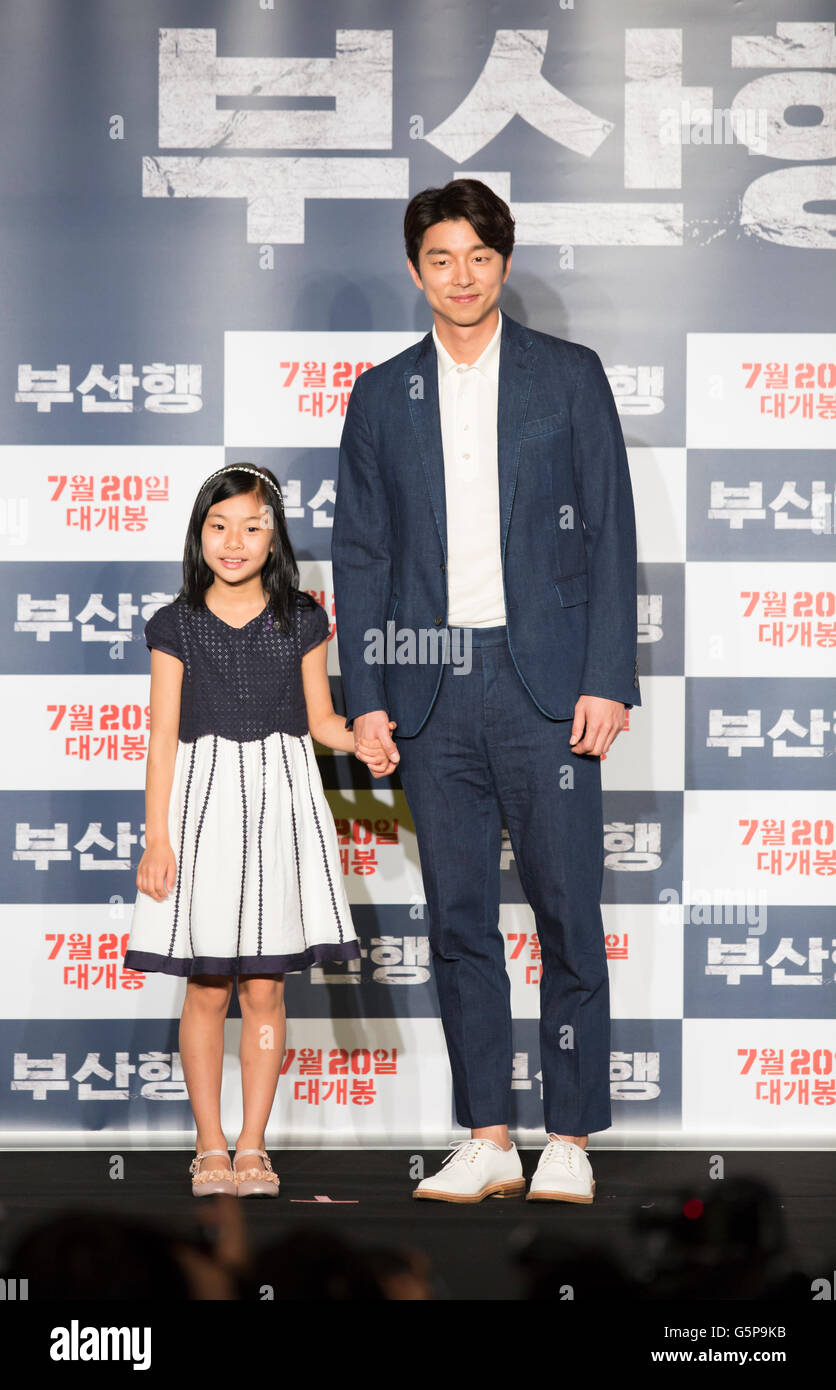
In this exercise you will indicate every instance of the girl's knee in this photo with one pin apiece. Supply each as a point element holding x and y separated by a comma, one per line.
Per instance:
<point>260,991</point>
<point>209,991</point>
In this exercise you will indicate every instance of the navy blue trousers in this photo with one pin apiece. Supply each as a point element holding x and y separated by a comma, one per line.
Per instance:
<point>487,752</point>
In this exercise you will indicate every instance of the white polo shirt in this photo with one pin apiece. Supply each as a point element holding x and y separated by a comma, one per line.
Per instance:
<point>467,398</point>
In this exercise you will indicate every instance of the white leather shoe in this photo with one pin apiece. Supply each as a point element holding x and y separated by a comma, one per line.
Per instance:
<point>475,1169</point>
<point>564,1174</point>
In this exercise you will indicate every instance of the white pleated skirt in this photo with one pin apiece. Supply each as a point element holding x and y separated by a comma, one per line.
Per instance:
<point>259,887</point>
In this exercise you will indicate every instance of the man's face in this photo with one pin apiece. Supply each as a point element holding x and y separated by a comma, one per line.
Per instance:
<point>461,277</point>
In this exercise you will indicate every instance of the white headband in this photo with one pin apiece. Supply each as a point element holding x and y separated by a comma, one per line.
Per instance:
<point>243,468</point>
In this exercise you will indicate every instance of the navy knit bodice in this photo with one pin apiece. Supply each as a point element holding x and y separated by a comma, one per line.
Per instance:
<point>241,683</point>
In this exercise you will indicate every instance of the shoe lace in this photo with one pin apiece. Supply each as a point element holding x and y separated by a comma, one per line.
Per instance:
<point>464,1151</point>
<point>567,1154</point>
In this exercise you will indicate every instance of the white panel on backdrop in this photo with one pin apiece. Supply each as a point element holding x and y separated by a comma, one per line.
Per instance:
<point>651,751</point>
<point>74,731</point>
<point>69,963</point>
<point>644,955</point>
<point>658,481</point>
<point>758,1076</point>
<point>290,390</point>
<point>758,619</point>
<point>760,846</point>
<point>760,390</point>
<point>644,959</point>
<point>316,576</point>
<point>103,502</point>
<point>370,1080</point>
<point>377,844</point>
<point>522,958</point>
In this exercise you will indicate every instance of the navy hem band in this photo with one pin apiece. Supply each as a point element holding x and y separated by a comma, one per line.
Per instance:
<point>240,965</point>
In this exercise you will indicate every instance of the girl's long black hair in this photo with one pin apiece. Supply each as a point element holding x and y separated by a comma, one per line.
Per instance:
<point>280,575</point>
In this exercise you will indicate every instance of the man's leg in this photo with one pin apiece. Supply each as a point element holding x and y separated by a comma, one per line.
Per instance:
<point>454,806</point>
<point>551,799</point>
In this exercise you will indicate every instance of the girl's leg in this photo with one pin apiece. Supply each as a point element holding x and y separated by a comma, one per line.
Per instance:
<point>262,1050</point>
<point>202,1054</point>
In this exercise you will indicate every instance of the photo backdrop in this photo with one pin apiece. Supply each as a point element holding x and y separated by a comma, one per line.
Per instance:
<point>202,249</point>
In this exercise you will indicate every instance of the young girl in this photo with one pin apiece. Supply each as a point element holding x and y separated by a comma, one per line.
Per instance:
<point>241,874</point>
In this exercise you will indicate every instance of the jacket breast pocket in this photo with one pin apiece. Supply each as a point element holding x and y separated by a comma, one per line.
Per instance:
<point>547,424</point>
<point>572,589</point>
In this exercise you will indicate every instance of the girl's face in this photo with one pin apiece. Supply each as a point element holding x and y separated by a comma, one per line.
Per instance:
<point>237,536</point>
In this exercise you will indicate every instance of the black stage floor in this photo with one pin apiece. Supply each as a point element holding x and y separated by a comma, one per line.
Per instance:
<point>767,1227</point>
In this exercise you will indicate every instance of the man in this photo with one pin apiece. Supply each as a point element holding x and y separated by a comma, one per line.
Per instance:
<point>483,486</point>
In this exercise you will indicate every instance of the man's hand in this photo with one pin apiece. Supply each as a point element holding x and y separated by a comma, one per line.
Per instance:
<point>373,729</point>
<point>600,721</point>
<point>370,752</point>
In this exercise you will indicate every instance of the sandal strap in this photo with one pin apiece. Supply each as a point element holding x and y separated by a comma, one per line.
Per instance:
<point>266,1171</point>
<point>196,1161</point>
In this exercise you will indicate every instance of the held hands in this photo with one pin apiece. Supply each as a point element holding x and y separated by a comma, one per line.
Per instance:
<point>596,725</point>
<point>600,722</point>
<point>373,743</point>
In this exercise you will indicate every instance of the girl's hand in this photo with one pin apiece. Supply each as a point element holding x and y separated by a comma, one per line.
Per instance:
<point>378,763</point>
<point>157,872</point>
<point>370,752</point>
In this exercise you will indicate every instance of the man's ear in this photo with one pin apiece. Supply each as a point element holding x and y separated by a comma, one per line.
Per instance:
<point>414,273</point>
<point>507,268</point>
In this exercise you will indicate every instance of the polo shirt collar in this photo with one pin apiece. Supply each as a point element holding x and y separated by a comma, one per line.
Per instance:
<point>485,363</point>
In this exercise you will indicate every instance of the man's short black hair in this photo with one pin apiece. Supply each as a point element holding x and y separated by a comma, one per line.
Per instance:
<point>470,199</point>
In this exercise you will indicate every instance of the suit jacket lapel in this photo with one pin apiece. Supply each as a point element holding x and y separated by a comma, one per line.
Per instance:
<point>421,385</point>
<point>516,372</point>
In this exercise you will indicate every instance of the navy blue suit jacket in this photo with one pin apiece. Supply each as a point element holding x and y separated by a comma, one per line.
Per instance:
<point>567,528</point>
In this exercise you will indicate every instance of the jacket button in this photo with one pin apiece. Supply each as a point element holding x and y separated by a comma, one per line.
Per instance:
<point>438,622</point>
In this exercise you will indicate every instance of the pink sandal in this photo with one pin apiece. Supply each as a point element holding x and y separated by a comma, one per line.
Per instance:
<point>256,1182</point>
<point>214,1179</point>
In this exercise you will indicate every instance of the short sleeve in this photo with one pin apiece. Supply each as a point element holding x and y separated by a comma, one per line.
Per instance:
<point>161,631</point>
<point>315,627</point>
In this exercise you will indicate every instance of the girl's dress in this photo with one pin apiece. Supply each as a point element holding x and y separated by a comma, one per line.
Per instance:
<point>259,887</point>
